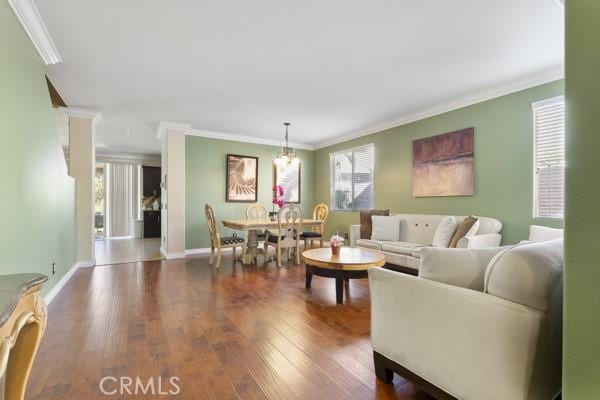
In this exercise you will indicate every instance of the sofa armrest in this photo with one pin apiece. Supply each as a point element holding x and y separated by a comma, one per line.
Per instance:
<point>354,234</point>
<point>471,344</point>
<point>478,241</point>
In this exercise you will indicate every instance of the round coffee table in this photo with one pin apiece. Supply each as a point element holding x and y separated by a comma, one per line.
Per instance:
<point>352,263</point>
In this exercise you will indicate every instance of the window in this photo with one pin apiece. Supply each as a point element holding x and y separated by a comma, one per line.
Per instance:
<point>549,157</point>
<point>352,178</point>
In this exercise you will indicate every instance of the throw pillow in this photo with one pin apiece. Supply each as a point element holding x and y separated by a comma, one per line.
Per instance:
<point>462,230</point>
<point>473,230</point>
<point>386,228</point>
<point>444,232</point>
<point>457,267</point>
<point>366,225</point>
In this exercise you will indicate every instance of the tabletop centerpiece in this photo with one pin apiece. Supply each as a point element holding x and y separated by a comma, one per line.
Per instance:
<point>277,201</point>
<point>336,243</point>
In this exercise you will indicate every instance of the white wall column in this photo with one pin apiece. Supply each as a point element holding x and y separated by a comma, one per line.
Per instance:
<point>172,136</point>
<point>82,163</point>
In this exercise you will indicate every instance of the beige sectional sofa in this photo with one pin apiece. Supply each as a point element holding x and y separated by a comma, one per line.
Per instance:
<point>417,231</point>
<point>471,329</point>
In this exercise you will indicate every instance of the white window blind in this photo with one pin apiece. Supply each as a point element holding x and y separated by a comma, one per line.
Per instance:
<point>549,157</point>
<point>351,184</point>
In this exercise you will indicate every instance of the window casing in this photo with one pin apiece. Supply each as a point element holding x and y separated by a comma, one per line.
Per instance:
<point>549,158</point>
<point>352,183</point>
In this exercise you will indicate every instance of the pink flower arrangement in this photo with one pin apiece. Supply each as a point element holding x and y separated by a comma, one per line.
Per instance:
<point>278,196</point>
<point>336,240</point>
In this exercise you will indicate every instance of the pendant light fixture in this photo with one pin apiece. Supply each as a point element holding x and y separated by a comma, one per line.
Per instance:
<point>287,155</point>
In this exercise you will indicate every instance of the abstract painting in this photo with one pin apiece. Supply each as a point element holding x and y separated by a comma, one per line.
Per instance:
<point>443,165</point>
<point>288,176</point>
<point>242,179</point>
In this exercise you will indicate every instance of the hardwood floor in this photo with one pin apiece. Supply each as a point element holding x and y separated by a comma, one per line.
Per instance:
<point>118,251</point>
<point>233,333</point>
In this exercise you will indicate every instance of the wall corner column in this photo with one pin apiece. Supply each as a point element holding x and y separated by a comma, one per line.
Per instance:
<point>82,163</point>
<point>172,137</point>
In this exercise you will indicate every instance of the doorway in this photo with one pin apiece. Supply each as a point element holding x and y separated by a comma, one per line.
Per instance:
<point>100,203</point>
<point>120,207</point>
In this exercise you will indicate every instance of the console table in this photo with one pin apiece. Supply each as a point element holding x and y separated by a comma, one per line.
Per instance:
<point>22,323</point>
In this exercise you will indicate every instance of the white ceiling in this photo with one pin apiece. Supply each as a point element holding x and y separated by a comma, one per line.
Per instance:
<point>334,68</point>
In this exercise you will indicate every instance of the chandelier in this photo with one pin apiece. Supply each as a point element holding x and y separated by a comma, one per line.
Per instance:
<point>287,155</point>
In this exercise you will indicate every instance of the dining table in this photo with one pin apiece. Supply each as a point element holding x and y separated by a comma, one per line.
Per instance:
<point>251,228</point>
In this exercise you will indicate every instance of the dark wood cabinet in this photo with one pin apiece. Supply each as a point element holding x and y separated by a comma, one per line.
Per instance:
<point>151,181</point>
<point>151,224</point>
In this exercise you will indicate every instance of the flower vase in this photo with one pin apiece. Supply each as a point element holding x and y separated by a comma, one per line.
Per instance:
<point>335,250</point>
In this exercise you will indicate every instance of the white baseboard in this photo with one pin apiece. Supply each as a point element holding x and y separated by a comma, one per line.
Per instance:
<point>200,250</point>
<point>85,264</point>
<point>203,250</point>
<point>171,256</point>
<point>63,281</point>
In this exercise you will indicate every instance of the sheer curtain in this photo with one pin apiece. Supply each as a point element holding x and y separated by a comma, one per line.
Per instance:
<point>123,198</point>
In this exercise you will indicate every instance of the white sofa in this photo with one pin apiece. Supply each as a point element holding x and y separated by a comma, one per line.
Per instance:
<point>500,342</point>
<point>416,232</point>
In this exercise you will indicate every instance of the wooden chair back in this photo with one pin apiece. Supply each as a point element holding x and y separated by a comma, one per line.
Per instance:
<point>257,212</point>
<point>209,213</point>
<point>289,221</point>
<point>320,213</point>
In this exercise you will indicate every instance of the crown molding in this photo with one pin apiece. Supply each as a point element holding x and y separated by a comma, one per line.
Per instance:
<point>75,112</point>
<point>163,126</point>
<point>488,94</point>
<point>123,156</point>
<point>29,16</point>
<point>547,76</point>
<point>244,138</point>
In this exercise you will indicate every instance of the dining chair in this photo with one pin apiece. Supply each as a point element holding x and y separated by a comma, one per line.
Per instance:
<point>258,212</point>
<point>320,213</point>
<point>289,222</point>
<point>216,241</point>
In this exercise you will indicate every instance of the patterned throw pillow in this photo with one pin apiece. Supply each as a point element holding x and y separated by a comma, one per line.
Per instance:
<point>462,230</point>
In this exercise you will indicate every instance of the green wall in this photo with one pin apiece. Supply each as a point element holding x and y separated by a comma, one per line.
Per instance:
<point>205,183</point>
<point>503,164</point>
<point>37,197</point>
<point>581,366</point>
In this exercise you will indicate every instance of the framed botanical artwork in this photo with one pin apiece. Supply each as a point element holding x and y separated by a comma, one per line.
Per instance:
<point>443,165</point>
<point>242,179</point>
<point>288,176</point>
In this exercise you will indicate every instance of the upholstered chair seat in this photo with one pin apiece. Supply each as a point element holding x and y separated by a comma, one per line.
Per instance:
<point>320,213</point>
<point>231,240</point>
<point>310,235</point>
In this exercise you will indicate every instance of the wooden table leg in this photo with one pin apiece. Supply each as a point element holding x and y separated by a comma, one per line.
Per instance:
<point>309,276</point>
<point>339,290</point>
<point>244,249</point>
<point>250,245</point>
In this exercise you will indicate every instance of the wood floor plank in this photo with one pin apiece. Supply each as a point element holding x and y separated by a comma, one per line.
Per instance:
<point>239,332</point>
